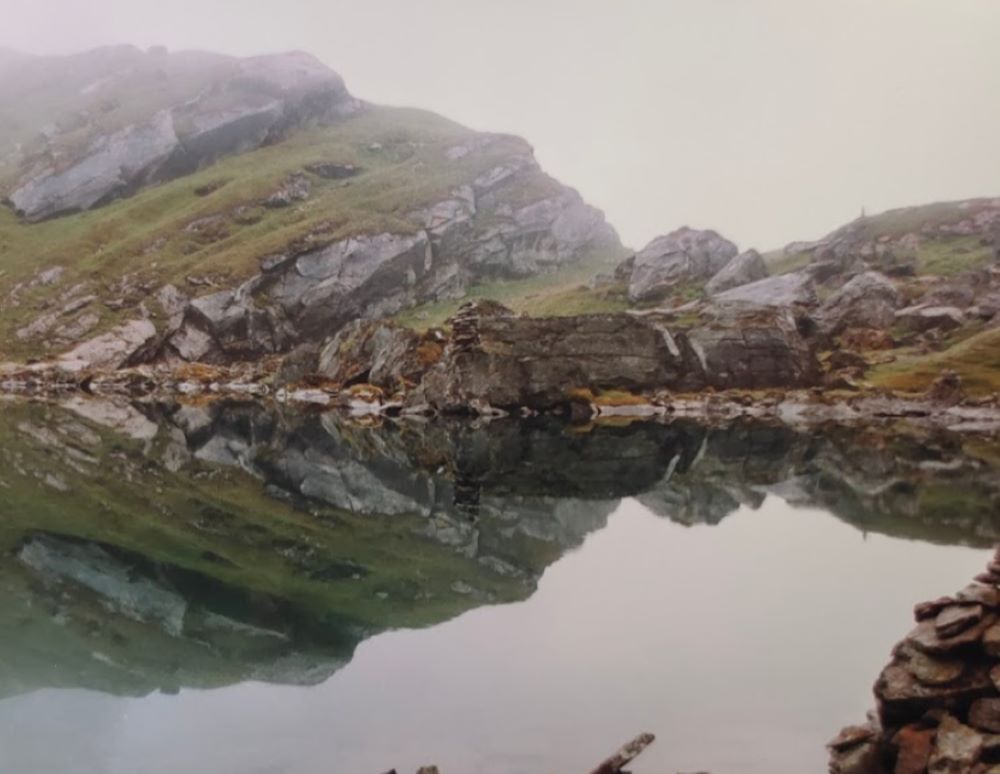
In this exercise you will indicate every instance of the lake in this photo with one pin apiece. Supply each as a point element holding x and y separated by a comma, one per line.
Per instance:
<point>230,588</point>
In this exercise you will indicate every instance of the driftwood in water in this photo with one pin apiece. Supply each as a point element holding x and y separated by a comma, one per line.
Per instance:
<point>617,762</point>
<point>613,765</point>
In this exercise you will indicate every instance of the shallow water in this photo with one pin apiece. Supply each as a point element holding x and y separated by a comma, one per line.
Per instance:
<point>230,589</point>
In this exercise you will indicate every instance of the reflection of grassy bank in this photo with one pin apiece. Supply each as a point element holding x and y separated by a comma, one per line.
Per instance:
<point>324,578</point>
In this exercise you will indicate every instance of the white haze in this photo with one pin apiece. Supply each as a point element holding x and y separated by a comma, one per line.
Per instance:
<point>769,120</point>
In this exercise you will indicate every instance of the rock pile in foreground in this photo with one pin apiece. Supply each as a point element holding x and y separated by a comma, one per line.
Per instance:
<point>939,698</point>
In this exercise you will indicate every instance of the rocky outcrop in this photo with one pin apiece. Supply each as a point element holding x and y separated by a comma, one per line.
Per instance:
<point>310,292</point>
<point>939,698</point>
<point>742,270</point>
<point>869,300</point>
<point>682,256</point>
<point>496,359</point>
<point>252,102</point>
<point>750,347</point>
<point>379,353</point>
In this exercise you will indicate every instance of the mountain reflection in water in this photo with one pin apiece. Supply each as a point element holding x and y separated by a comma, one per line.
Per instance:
<point>156,548</point>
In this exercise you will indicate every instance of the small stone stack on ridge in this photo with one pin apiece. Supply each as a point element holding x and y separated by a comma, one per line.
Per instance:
<point>939,697</point>
<point>465,322</point>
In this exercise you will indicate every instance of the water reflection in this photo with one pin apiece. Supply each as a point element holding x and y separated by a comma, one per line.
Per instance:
<point>158,548</point>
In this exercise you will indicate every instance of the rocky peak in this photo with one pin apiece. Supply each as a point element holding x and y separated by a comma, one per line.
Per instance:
<point>237,106</point>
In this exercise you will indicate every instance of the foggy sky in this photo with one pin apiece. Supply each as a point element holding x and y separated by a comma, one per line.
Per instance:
<point>769,120</point>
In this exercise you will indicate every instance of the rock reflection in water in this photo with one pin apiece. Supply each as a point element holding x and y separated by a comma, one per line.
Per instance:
<point>157,547</point>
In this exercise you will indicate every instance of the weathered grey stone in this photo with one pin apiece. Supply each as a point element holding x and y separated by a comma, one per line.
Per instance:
<point>256,101</point>
<point>922,318</point>
<point>111,167</point>
<point>749,346</point>
<point>742,270</point>
<point>380,353</point>
<point>795,289</point>
<point>868,300</point>
<point>110,350</point>
<point>679,257</point>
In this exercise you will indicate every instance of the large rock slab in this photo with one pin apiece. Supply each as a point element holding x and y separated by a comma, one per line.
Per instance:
<point>795,289</point>
<point>110,350</point>
<point>112,166</point>
<point>742,270</point>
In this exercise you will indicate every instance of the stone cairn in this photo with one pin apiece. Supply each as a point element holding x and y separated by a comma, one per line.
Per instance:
<point>938,700</point>
<point>465,322</point>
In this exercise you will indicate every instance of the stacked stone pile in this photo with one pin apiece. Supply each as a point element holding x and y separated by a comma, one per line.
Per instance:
<point>938,700</point>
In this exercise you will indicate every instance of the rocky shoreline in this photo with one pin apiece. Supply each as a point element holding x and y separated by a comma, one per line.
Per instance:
<point>797,408</point>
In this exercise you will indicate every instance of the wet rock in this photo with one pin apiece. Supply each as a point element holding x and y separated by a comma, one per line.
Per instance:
<point>952,620</point>
<point>914,745</point>
<point>743,269</point>
<point>925,636</point>
<point>677,258</point>
<point>868,300</point>
<point>930,670</point>
<point>991,641</point>
<point>855,750</point>
<point>925,610</point>
<point>981,594</point>
<point>795,289</point>
<point>984,714</point>
<point>902,698</point>
<point>956,748</point>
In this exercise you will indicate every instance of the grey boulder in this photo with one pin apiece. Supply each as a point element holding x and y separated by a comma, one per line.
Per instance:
<point>745,268</point>
<point>677,258</point>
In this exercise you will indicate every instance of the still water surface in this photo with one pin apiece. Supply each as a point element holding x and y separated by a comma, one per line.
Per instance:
<point>737,600</point>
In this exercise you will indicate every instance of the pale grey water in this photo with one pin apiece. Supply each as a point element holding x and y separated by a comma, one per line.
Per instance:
<point>744,646</point>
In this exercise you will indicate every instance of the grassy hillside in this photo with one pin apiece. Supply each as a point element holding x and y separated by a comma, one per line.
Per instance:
<point>209,225</point>
<point>938,253</point>
<point>976,358</point>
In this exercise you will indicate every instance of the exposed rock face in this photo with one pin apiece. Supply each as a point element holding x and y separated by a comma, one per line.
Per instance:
<point>497,359</point>
<point>742,270</point>
<point>310,293</point>
<point>494,358</point>
<point>921,318</point>
<point>379,353</point>
<point>113,166</point>
<point>869,300</point>
<point>795,289</point>
<point>682,256</point>
<point>255,101</point>
<point>747,346</point>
